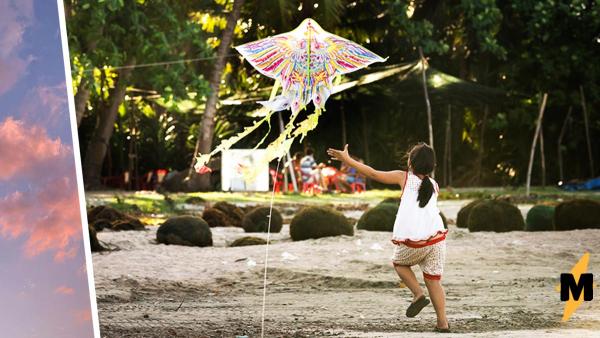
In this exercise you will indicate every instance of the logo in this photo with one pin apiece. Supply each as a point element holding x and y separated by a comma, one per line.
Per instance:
<point>576,287</point>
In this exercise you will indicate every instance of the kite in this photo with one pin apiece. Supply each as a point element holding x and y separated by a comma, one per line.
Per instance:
<point>304,62</point>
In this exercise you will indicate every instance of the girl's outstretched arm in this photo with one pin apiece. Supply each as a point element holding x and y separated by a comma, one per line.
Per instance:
<point>387,177</point>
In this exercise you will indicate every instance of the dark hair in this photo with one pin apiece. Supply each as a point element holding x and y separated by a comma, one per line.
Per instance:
<point>309,151</point>
<point>422,162</point>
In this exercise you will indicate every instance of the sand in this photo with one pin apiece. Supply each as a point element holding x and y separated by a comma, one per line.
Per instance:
<point>498,285</point>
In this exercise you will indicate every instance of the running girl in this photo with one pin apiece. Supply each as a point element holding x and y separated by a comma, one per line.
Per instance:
<point>419,234</point>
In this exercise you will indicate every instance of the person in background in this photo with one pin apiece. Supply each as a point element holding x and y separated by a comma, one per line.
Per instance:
<point>309,168</point>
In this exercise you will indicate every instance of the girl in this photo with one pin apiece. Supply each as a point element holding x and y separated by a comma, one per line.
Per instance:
<point>419,234</point>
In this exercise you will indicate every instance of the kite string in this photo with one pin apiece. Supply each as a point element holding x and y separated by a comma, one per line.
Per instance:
<point>262,319</point>
<point>154,64</point>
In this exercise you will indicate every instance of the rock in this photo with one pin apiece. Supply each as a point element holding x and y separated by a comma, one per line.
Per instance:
<point>317,222</point>
<point>248,240</point>
<point>577,214</point>
<point>257,220</point>
<point>540,218</point>
<point>185,230</point>
<point>495,215</point>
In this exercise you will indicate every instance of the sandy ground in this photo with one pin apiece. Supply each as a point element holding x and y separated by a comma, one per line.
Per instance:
<point>498,285</point>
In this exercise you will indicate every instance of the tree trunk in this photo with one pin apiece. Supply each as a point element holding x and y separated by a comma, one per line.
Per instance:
<point>559,144</point>
<point>542,156</point>
<point>96,150</point>
<point>427,103</point>
<point>81,99</point>
<point>533,144</point>
<point>365,130</point>
<point>204,143</point>
<point>481,143</point>
<point>344,132</point>
<point>587,132</point>
<point>447,149</point>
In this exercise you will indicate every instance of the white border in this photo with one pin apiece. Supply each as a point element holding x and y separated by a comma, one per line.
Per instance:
<point>79,175</point>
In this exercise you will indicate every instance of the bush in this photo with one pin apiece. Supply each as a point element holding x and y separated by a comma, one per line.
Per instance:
<point>185,230</point>
<point>444,220</point>
<point>462,219</point>
<point>102,217</point>
<point>94,242</point>
<point>248,240</point>
<point>494,215</point>
<point>540,218</point>
<point>100,224</point>
<point>215,218</point>
<point>317,222</point>
<point>257,220</point>
<point>233,213</point>
<point>577,214</point>
<point>194,200</point>
<point>380,218</point>
<point>391,200</point>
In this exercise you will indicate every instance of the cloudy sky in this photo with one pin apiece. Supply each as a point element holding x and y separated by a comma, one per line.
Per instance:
<point>43,284</point>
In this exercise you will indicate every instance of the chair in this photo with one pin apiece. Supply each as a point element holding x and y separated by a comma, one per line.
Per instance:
<point>359,185</point>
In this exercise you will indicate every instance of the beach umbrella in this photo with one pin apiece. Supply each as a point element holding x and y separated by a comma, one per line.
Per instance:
<point>304,63</point>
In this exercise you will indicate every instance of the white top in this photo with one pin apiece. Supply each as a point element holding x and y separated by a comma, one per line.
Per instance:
<point>414,223</point>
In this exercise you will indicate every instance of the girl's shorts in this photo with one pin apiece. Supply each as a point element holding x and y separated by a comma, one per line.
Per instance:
<point>430,258</point>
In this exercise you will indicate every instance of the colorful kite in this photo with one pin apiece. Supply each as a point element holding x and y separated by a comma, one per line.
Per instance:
<point>304,62</point>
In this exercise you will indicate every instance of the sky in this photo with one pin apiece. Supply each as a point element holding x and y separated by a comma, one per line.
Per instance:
<point>44,289</point>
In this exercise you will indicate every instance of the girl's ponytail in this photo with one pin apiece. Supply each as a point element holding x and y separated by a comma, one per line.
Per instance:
<point>425,192</point>
<point>422,161</point>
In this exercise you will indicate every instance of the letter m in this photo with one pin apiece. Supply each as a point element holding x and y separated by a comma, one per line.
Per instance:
<point>568,283</point>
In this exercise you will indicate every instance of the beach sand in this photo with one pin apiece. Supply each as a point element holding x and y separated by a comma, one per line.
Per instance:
<point>497,284</point>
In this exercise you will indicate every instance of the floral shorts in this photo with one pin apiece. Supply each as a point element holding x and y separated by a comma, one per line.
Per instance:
<point>430,258</point>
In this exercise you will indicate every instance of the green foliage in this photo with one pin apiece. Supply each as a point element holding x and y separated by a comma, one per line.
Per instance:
<point>495,215</point>
<point>185,230</point>
<point>379,218</point>
<point>317,222</point>
<point>248,240</point>
<point>540,218</point>
<point>577,214</point>
<point>257,220</point>
<point>499,54</point>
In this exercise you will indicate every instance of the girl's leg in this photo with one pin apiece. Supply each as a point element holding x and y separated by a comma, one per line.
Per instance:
<point>438,298</point>
<point>409,278</point>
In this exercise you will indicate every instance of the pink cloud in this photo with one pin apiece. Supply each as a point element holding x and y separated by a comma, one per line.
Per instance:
<point>28,151</point>
<point>48,215</point>
<point>64,290</point>
<point>49,218</point>
<point>15,17</point>
<point>11,70</point>
<point>83,316</point>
